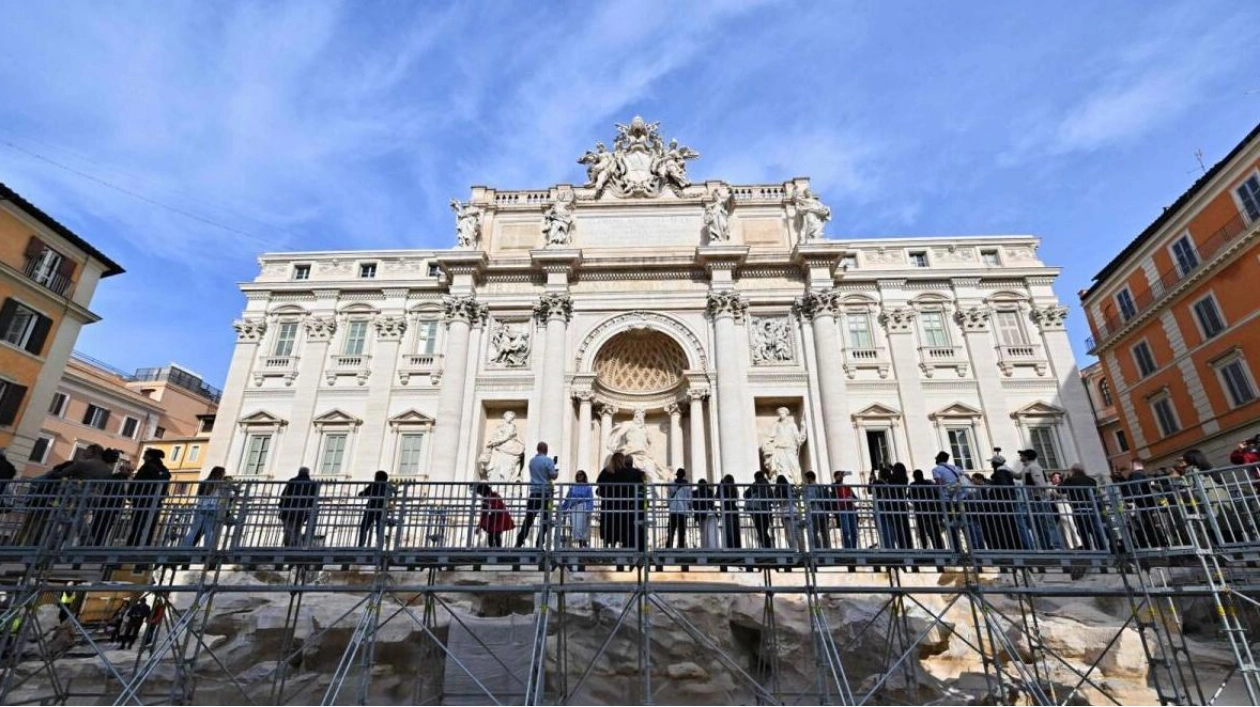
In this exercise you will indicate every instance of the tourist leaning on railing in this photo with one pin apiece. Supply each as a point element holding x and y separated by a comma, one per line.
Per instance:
<point>728,492</point>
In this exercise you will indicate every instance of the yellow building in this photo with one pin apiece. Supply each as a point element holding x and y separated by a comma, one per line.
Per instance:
<point>185,456</point>
<point>48,275</point>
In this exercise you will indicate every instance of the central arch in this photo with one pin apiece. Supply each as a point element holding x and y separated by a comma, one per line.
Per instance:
<point>680,334</point>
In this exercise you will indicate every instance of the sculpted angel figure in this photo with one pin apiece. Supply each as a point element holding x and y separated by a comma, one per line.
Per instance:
<point>467,223</point>
<point>601,166</point>
<point>504,452</point>
<point>717,216</point>
<point>558,220</point>
<point>814,214</point>
<point>631,439</point>
<point>783,448</point>
<point>671,166</point>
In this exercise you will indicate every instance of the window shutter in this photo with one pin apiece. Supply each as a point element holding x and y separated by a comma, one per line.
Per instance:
<point>6,314</point>
<point>39,334</point>
<point>104,419</point>
<point>66,268</point>
<point>34,247</point>
<point>9,404</point>
<point>87,415</point>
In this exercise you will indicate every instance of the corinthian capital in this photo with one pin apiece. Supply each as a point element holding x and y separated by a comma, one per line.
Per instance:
<point>464,308</point>
<point>1050,318</point>
<point>320,328</point>
<point>726,304</point>
<point>817,303</point>
<point>554,306</point>
<point>389,328</point>
<point>897,319</point>
<point>974,319</point>
<point>250,330</point>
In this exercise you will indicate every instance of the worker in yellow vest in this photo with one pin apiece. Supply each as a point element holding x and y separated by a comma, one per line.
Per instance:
<point>66,605</point>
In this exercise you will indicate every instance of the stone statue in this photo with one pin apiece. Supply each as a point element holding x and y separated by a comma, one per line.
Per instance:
<point>558,220</point>
<point>814,215</point>
<point>600,167</point>
<point>509,344</point>
<point>771,340</point>
<point>671,167</point>
<point>783,449</point>
<point>504,452</point>
<point>467,224</point>
<point>717,216</point>
<point>631,439</point>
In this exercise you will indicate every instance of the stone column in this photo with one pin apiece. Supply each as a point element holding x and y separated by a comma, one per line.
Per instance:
<point>553,310</point>
<point>371,451</point>
<point>1080,413</point>
<point>249,333</point>
<point>606,413</point>
<point>975,324</point>
<point>585,461</point>
<point>923,443</point>
<point>820,308</point>
<point>312,357</point>
<point>675,436</point>
<point>460,312</point>
<point>725,308</point>
<point>699,467</point>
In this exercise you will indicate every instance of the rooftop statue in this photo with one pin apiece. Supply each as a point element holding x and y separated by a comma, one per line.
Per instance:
<point>641,164</point>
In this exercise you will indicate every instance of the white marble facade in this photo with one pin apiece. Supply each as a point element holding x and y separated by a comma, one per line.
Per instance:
<point>573,307</point>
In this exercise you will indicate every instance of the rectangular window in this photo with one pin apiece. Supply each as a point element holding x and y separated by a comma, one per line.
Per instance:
<point>256,449</point>
<point>434,270</point>
<point>934,332</point>
<point>409,446</point>
<point>426,336</point>
<point>176,452</point>
<point>23,327</point>
<point>1249,194</point>
<point>129,426</point>
<point>1122,440</point>
<point>58,406</point>
<point>960,447</point>
<point>39,452</point>
<point>95,417</point>
<point>860,331</point>
<point>159,432</point>
<point>1045,441</point>
<point>367,270</point>
<point>207,425</point>
<point>990,258</point>
<point>1010,331</point>
<point>286,335</point>
<point>1184,254</point>
<point>1144,359</point>
<point>194,452</point>
<point>1104,390</point>
<point>334,452</point>
<point>46,267</point>
<point>1210,321</point>
<point>301,272</point>
<point>1124,300</point>
<point>849,262</point>
<point>11,395</point>
<point>1165,416</point>
<point>1237,381</point>
<point>356,338</point>
<point>918,259</point>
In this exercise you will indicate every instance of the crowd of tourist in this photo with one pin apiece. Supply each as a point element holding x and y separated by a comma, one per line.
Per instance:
<point>1016,507</point>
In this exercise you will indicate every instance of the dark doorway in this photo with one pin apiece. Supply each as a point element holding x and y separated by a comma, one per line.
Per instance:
<point>877,445</point>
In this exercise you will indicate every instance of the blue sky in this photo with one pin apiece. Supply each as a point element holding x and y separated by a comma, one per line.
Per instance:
<point>308,125</point>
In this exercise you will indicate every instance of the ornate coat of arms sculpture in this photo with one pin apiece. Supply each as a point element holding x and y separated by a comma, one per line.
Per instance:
<point>641,164</point>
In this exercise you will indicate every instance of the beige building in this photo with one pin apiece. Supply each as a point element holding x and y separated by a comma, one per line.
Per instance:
<point>95,403</point>
<point>710,326</point>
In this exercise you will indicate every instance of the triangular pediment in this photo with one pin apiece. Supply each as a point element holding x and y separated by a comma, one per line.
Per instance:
<point>262,418</point>
<point>958,409</point>
<point>411,417</point>
<point>336,416</point>
<point>877,411</point>
<point>1039,409</point>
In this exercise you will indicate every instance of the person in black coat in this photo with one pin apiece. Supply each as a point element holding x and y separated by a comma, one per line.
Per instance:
<point>297,504</point>
<point>7,471</point>
<point>608,501</point>
<point>148,490</point>
<point>378,493</point>
<point>729,493</point>
<point>111,503</point>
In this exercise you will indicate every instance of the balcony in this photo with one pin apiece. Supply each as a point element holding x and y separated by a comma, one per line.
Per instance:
<point>284,367</point>
<point>1010,356</point>
<point>49,278</point>
<point>1114,320</point>
<point>873,357</point>
<point>420,364</point>
<point>356,365</point>
<point>934,357</point>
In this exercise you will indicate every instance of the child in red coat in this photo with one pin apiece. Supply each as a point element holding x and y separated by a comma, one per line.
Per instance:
<point>495,519</point>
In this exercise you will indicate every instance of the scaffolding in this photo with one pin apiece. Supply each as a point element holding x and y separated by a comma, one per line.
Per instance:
<point>817,598</point>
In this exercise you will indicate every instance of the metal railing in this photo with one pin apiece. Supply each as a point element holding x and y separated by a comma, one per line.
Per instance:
<point>413,523</point>
<point>54,280</point>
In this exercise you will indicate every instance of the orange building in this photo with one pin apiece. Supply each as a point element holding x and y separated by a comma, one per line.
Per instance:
<point>1115,439</point>
<point>48,275</point>
<point>1173,318</point>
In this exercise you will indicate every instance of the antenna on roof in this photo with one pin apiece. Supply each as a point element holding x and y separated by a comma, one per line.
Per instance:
<point>1198,154</point>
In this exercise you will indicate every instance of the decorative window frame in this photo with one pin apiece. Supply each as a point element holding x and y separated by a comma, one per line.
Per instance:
<point>1194,248</point>
<point>1238,203</point>
<point>412,421</point>
<point>342,364</point>
<point>1159,395</point>
<point>941,304</point>
<point>1235,353</point>
<point>260,422</point>
<point>1044,414</point>
<point>1220,314</point>
<point>1142,375</point>
<point>878,418</point>
<point>335,422</point>
<point>269,365</point>
<point>961,415</point>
